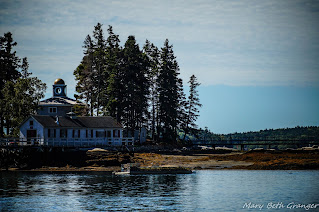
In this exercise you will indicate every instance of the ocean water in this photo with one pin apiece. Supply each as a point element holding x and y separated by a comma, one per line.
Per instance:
<point>211,190</point>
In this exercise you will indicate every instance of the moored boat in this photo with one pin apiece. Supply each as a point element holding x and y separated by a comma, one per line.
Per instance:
<point>133,169</point>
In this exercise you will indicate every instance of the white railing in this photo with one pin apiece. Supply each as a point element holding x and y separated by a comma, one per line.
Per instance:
<point>72,142</point>
<point>68,142</point>
<point>21,141</point>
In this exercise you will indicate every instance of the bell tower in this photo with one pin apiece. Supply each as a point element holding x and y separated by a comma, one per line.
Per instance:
<point>59,104</point>
<point>59,88</point>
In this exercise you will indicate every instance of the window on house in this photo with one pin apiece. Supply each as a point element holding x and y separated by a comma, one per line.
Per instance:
<point>76,134</point>
<point>53,110</point>
<point>63,133</point>
<point>109,134</point>
<point>89,133</point>
<point>51,133</point>
<point>31,124</point>
<point>99,134</point>
<point>116,133</point>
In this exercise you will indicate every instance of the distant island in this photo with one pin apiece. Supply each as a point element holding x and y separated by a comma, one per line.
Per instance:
<point>296,134</point>
<point>125,93</point>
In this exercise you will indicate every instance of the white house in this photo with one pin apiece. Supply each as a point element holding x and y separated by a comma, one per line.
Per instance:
<point>73,131</point>
<point>56,125</point>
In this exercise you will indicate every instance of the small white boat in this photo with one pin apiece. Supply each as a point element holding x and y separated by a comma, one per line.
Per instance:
<point>121,173</point>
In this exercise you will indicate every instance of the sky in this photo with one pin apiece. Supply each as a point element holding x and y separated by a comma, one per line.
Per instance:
<point>257,61</point>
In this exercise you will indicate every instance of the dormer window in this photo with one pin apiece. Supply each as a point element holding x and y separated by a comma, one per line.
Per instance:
<point>52,110</point>
<point>31,124</point>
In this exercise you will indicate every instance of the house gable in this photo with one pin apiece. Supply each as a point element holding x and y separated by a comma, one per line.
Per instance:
<point>31,127</point>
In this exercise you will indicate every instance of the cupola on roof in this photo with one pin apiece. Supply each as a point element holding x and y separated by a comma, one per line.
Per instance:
<point>59,81</point>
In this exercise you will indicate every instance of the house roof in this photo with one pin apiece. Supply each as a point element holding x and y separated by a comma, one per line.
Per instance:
<point>58,101</point>
<point>78,122</point>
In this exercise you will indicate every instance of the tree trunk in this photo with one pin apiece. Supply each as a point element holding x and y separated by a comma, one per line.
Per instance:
<point>8,127</point>
<point>1,126</point>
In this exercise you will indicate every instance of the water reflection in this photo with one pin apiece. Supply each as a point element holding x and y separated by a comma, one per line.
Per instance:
<point>101,190</point>
<point>204,190</point>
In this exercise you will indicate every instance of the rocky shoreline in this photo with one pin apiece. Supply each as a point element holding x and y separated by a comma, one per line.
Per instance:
<point>110,161</point>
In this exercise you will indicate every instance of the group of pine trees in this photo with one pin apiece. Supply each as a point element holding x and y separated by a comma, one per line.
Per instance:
<point>19,92</point>
<point>138,87</point>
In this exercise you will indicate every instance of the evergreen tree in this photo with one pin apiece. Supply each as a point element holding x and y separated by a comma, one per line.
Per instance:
<point>9,62</point>
<point>135,85</point>
<point>92,75</point>
<point>84,77</point>
<point>182,105</point>
<point>192,106</point>
<point>24,68</point>
<point>115,87</point>
<point>9,71</point>
<point>168,89</point>
<point>153,59</point>
<point>100,74</point>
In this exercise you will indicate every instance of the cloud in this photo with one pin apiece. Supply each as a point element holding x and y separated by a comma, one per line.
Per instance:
<point>223,42</point>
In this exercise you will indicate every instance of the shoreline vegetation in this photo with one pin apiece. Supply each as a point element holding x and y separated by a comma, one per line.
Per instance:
<point>101,160</point>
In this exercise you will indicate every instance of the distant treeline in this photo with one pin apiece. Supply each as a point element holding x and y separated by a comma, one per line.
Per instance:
<point>298,133</point>
<point>138,87</point>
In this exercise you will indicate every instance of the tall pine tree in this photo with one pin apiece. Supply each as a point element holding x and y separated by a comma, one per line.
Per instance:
<point>100,76</point>
<point>153,59</point>
<point>9,72</point>
<point>115,87</point>
<point>135,85</point>
<point>168,89</point>
<point>192,106</point>
<point>84,76</point>
<point>92,75</point>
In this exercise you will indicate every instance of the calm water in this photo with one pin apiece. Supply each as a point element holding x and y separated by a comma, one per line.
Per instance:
<point>202,191</point>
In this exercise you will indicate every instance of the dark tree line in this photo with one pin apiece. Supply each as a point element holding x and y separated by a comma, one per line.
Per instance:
<point>140,87</point>
<point>298,133</point>
<point>19,92</point>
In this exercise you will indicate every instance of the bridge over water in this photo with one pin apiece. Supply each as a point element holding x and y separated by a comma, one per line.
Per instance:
<point>265,142</point>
